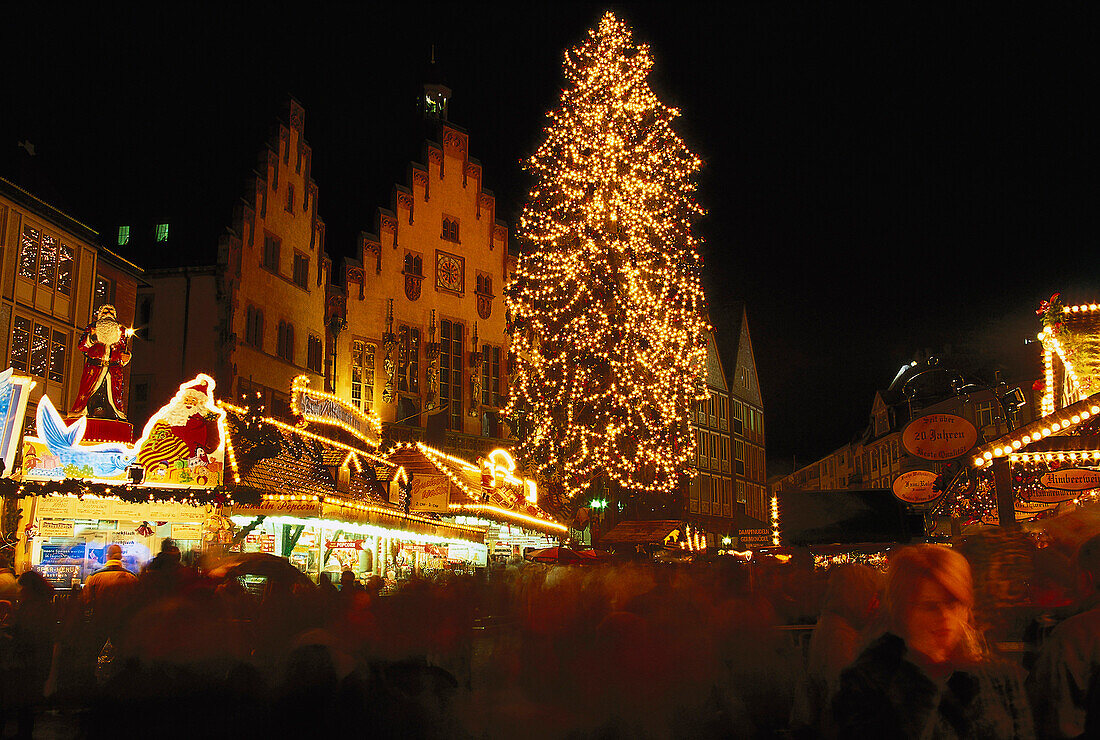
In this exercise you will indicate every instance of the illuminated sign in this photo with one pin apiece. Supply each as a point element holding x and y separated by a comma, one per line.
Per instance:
<point>183,445</point>
<point>915,487</point>
<point>317,407</point>
<point>1072,479</point>
<point>1048,495</point>
<point>939,437</point>
<point>14,391</point>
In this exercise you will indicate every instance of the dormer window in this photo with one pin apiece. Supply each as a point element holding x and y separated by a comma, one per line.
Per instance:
<point>450,229</point>
<point>123,236</point>
<point>161,232</point>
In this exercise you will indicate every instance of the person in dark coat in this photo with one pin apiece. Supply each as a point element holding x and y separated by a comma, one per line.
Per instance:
<point>926,675</point>
<point>1065,681</point>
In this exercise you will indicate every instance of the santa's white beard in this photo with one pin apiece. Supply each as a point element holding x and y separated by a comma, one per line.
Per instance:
<point>108,331</point>
<point>178,413</point>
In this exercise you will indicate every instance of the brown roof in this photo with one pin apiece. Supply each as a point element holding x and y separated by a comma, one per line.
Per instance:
<point>640,532</point>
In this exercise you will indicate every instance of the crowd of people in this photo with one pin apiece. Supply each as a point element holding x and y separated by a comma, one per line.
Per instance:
<point>617,650</point>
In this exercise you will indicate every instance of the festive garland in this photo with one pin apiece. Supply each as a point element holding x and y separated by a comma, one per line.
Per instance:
<point>131,494</point>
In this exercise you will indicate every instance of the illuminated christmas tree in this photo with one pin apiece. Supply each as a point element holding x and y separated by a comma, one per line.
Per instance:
<point>606,304</point>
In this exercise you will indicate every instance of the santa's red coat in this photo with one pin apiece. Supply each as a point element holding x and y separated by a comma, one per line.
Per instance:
<point>103,364</point>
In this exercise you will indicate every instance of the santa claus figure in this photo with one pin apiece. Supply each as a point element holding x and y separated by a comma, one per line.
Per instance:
<point>184,432</point>
<point>104,344</point>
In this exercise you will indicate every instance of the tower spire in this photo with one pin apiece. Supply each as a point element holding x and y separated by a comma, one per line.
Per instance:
<point>437,95</point>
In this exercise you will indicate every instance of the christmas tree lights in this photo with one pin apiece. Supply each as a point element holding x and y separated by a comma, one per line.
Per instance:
<point>607,307</point>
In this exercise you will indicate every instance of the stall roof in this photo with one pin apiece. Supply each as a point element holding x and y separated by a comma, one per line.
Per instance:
<point>640,532</point>
<point>299,479</point>
<point>507,501</point>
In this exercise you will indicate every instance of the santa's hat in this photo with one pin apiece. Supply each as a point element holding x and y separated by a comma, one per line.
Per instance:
<point>200,387</point>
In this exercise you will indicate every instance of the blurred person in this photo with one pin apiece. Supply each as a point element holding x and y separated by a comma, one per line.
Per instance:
<point>348,582</point>
<point>33,631</point>
<point>109,583</point>
<point>851,601</point>
<point>8,673</point>
<point>926,675</point>
<point>1064,684</point>
<point>8,586</point>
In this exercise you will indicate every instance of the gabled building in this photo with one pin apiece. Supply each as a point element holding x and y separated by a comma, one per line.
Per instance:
<point>747,430</point>
<point>251,312</point>
<point>729,435</point>
<point>425,345</point>
<point>710,503</point>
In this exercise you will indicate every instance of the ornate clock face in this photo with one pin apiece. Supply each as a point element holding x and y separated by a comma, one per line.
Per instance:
<point>449,273</point>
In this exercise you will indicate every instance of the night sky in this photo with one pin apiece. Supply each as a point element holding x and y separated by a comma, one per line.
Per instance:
<point>878,181</point>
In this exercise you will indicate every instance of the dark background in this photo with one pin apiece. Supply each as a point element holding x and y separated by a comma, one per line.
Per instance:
<point>830,517</point>
<point>879,181</point>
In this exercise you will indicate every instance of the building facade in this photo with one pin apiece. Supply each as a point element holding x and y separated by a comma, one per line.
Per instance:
<point>710,492</point>
<point>747,431</point>
<point>254,314</point>
<point>877,456</point>
<point>423,342</point>
<point>54,273</point>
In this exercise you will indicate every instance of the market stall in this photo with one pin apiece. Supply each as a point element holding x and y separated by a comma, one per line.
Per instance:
<point>328,504</point>
<point>1053,463</point>
<point>77,494</point>
<point>487,494</point>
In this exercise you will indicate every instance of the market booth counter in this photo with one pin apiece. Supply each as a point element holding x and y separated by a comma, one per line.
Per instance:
<point>66,536</point>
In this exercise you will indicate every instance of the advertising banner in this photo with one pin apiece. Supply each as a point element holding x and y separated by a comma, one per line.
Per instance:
<point>186,531</point>
<point>14,392</point>
<point>56,528</point>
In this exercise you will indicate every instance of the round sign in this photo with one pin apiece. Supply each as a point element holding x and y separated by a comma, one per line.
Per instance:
<point>939,437</point>
<point>915,487</point>
<point>1072,479</point>
<point>1048,495</point>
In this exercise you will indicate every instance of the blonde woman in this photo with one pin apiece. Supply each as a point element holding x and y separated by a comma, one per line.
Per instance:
<point>926,675</point>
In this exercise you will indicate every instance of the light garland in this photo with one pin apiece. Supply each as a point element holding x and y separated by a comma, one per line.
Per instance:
<point>1067,418</point>
<point>369,419</point>
<point>446,464</point>
<point>360,528</point>
<point>311,435</point>
<point>508,514</point>
<point>775,520</point>
<point>608,331</point>
<point>1051,336</point>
